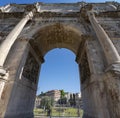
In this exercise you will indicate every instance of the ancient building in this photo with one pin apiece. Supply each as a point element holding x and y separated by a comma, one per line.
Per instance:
<point>90,30</point>
<point>53,94</point>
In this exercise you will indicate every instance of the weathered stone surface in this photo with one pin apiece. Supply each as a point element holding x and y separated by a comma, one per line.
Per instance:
<point>60,26</point>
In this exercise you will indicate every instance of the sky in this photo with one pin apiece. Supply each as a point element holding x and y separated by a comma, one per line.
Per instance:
<point>59,71</point>
<point>4,2</point>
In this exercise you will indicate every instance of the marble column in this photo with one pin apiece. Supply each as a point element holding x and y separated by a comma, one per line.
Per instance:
<point>109,49</point>
<point>6,46</point>
<point>10,39</point>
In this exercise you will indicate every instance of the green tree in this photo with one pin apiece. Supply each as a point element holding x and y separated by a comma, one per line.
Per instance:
<point>47,103</point>
<point>74,100</point>
<point>62,100</point>
<point>42,94</point>
<point>71,100</point>
<point>62,93</point>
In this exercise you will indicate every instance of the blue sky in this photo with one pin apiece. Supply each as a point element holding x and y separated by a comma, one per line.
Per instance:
<point>4,2</point>
<point>60,71</point>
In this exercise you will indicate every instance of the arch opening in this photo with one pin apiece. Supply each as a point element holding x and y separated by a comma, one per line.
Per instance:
<point>37,48</point>
<point>60,67</point>
<point>59,72</point>
<point>58,37</point>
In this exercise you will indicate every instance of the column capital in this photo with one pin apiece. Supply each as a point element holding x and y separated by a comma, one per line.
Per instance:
<point>2,71</point>
<point>91,14</point>
<point>29,15</point>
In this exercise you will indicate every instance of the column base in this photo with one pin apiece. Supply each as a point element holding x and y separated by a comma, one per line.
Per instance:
<point>2,71</point>
<point>3,78</point>
<point>115,68</point>
<point>3,74</point>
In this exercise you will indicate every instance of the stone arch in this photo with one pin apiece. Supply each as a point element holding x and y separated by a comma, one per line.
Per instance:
<point>98,63</point>
<point>58,35</point>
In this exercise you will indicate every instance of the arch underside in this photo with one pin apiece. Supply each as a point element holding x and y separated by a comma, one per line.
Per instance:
<point>56,36</point>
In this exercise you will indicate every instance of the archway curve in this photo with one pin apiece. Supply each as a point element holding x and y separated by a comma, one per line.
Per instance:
<point>57,35</point>
<point>62,70</point>
<point>63,47</point>
<point>46,38</point>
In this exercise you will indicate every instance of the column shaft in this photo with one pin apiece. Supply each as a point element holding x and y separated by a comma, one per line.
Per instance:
<point>10,39</point>
<point>109,49</point>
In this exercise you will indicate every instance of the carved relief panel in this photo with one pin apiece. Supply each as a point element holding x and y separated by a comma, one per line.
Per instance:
<point>31,68</point>
<point>84,68</point>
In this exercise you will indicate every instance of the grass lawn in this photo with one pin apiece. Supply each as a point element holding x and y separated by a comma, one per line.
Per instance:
<point>62,111</point>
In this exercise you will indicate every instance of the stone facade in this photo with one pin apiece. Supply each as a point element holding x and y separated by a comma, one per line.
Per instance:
<point>54,94</point>
<point>90,30</point>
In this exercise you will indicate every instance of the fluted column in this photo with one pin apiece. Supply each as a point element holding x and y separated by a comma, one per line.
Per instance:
<point>6,46</point>
<point>10,39</point>
<point>109,49</point>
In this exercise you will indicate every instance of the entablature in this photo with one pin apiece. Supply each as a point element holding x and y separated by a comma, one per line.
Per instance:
<point>57,9</point>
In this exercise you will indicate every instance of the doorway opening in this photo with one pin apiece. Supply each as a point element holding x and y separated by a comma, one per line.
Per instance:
<point>59,84</point>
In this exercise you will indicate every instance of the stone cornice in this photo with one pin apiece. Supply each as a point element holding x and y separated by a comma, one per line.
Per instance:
<point>111,14</point>
<point>37,15</point>
<point>12,15</point>
<point>54,14</point>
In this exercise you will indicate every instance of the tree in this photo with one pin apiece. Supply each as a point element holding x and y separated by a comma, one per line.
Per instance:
<point>62,93</point>
<point>72,100</point>
<point>42,94</point>
<point>46,102</point>
<point>62,100</point>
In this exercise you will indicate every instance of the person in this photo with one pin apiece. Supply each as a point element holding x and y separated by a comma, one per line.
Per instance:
<point>49,112</point>
<point>78,112</point>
